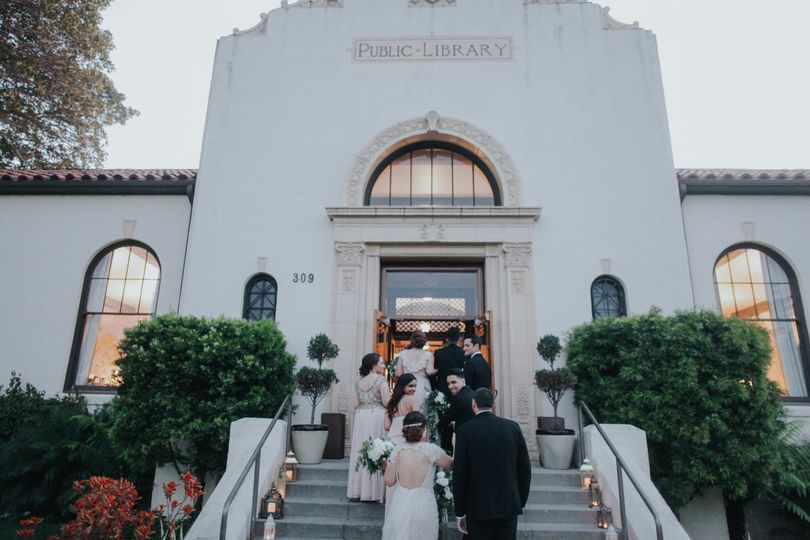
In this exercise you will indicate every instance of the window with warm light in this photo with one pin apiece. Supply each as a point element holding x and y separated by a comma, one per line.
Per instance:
<point>120,290</point>
<point>756,284</point>
<point>261,292</point>
<point>607,298</point>
<point>432,173</point>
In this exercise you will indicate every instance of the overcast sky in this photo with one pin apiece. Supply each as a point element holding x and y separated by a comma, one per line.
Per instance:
<point>736,76</point>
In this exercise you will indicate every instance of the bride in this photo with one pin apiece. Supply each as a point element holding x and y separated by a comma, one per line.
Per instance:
<point>411,470</point>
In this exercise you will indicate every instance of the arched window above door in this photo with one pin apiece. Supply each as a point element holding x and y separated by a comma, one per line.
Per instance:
<point>432,173</point>
<point>755,283</point>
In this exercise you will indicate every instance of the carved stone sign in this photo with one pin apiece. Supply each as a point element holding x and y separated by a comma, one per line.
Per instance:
<point>432,49</point>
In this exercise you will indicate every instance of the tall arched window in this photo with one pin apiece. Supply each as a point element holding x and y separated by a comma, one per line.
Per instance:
<point>260,298</point>
<point>120,289</point>
<point>432,173</point>
<point>607,298</point>
<point>757,284</point>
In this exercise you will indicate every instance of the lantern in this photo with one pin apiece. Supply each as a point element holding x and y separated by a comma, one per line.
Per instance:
<point>273,504</point>
<point>594,493</point>
<point>291,467</point>
<point>604,517</point>
<point>269,529</point>
<point>586,473</point>
<point>611,534</point>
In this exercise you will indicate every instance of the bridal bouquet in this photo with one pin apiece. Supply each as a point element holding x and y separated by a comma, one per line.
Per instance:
<point>443,489</point>
<point>435,405</point>
<point>372,454</point>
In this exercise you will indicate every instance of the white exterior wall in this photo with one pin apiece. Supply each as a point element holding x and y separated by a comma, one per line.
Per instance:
<point>47,243</point>
<point>713,223</point>
<point>580,110</point>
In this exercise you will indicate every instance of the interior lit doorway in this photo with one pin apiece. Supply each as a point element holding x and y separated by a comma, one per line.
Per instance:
<point>431,298</point>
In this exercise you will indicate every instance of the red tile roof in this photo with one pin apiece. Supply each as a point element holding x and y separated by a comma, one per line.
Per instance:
<point>97,181</point>
<point>96,175</point>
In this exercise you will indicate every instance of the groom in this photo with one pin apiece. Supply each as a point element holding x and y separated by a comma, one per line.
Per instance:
<point>491,473</point>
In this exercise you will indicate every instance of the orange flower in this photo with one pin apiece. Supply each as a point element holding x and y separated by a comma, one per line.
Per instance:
<point>169,488</point>
<point>33,520</point>
<point>26,532</point>
<point>188,510</point>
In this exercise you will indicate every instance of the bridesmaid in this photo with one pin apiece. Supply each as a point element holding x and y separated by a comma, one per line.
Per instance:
<point>369,418</point>
<point>419,362</point>
<point>401,403</point>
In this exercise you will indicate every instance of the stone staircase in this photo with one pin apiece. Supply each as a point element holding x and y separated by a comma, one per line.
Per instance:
<point>316,507</point>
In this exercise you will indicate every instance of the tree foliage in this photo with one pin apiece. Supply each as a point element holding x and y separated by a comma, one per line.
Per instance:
<point>314,384</point>
<point>554,383</point>
<point>696,384</point>
<point>17,404</point>
<point>185,379</point>
<point>56,97</point>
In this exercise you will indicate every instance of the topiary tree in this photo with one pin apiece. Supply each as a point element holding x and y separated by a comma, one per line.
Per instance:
<point>314,384</point>
<point>185,379</point>
<point>554,383</point>
<point>696,384</point>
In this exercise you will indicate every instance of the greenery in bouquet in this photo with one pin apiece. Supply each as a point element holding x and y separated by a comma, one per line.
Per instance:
<point>443,489</point>
<point>373,452</point>
<point>436,404</point>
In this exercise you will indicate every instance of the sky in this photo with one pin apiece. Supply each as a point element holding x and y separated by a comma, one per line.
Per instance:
<point>736,77</point>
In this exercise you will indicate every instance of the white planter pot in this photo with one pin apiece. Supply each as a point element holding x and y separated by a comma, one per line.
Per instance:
<point>309,444</point>
<point>556,451</point>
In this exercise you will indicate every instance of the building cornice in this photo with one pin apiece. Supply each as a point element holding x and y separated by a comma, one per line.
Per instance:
<point>97,181</point>
<point>743,181</point>
<point>522,213</point>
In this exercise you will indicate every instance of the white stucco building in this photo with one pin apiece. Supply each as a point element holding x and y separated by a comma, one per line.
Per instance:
<point>374,166</point>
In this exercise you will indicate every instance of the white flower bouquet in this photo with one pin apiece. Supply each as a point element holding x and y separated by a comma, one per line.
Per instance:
<point>373,452</point>
<point>443,489</point>
<point>435,405</point>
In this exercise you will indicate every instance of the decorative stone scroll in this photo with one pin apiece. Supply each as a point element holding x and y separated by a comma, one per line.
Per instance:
<point>609,23</point>
<point>431,232</point>
<point>433,123</point>
<point>350,253</point>
<point>518,254</point>
<point>312,3</point>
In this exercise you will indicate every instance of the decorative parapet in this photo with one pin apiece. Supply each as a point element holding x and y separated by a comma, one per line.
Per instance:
<point>431,3</point>
<point>259,28</point>
<point>312,3</point>
<point>556,1</point>
<point>609,23</point>
<point>432,122</point>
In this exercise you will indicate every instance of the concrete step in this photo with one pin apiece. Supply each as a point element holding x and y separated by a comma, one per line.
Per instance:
<point>321,489</point>
<point>556,477</point>
<point>540,494</point>
<point>326,470</point>
<point>558,513</point>
<point>330,507</point>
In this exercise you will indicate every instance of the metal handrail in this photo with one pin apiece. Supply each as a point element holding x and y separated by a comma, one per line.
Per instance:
<point>621,467</point>
<point>255,462</point>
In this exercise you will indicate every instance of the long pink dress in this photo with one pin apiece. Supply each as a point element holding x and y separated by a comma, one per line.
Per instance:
<point>416,361</point>
<point>369,420</point>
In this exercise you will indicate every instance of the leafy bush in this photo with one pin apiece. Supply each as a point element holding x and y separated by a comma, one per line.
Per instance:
<point>185,379</point>
<point>554,383</point>
<point>314,384</point>
<point>58,445</point>
<point>696,384</point>
<point>17,404</point>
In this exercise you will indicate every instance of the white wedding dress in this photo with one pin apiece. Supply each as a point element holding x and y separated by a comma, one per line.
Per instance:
<point>412,512</point>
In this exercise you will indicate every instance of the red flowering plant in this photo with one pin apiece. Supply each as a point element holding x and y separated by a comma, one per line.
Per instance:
<point>105,509</point>
<point>173,515</point>
<point>28,527</point>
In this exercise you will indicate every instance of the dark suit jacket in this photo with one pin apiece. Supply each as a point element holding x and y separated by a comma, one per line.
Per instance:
<point>460,410</point>
<point>477,372</point>
<point>491,469</point>
<point>447,358</point>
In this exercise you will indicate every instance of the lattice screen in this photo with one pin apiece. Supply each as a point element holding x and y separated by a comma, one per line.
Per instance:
<point>430,307</point>
<point>435,326</point>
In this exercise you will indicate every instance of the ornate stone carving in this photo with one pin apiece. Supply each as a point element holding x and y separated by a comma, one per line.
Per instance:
<point>518,254</point>
<point>431,232</point>
<point>350,253</point>
<point>556,2</point>
<point>342,393</point>
<point>312,3</point>
<point>432,122</point>
<point>519,282</point>
<point>522,401</point>
<point>431,3</point>
<point>610,23</point>
<point>348,280</point>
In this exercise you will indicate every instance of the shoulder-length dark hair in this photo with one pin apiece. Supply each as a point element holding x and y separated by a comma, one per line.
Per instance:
<point>399,392</point>
<point>368,362</point>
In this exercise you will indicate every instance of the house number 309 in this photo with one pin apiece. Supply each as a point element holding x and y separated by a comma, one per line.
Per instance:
<point>303,278</point>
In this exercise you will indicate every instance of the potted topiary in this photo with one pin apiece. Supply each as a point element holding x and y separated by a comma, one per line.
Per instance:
<point>309,440</point>
<point>555,442</point>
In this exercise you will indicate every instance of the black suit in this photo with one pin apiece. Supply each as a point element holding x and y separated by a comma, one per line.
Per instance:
<point>477,372</point>
<point>491,476</point>
<point>448,357</point>
<point>460,412</point>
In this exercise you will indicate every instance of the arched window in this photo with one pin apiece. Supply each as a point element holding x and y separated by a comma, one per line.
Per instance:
<point>432,173</point>
<point>757,284</point>
<point>120,289</point>
<point>607,298</point>
<point>260,298</point>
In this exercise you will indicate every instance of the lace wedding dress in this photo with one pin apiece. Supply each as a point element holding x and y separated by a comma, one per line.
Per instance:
<point>416,361</point>
<point>412,512</point>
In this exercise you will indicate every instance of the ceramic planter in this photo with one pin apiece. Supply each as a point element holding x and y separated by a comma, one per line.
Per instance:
<point>309,441</point>
<point>556,450</point>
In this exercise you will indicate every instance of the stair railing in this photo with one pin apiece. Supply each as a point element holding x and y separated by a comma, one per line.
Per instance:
<point>255,462</point>
<point>621,469</point>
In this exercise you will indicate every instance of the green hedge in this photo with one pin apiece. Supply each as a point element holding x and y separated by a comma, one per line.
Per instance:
<point>696,384</point>
<point>187,378</point>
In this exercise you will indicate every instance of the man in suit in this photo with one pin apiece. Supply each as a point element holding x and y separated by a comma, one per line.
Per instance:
<point>448,358</point>
<point>491,473</point>
<point>476,370</point>
<point>460,410</point>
